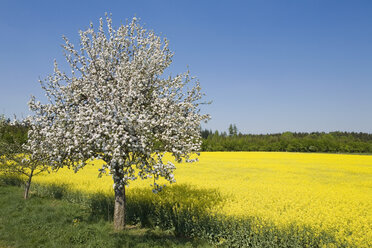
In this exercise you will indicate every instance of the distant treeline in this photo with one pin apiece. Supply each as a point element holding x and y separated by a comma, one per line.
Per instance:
<point>11,133</point>
<point>232,140</point>
<point>334,142</point>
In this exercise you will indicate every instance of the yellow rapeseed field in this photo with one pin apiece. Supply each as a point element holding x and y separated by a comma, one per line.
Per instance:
<point>329,192</point>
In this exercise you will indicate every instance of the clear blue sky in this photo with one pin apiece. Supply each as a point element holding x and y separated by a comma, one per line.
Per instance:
<point>268,66</point>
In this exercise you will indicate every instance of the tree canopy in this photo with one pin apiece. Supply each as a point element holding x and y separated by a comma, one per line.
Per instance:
<point>15,158</point>
<point>117,106</point>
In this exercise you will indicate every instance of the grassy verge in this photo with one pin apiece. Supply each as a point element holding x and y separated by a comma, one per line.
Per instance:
<point>46,222</point>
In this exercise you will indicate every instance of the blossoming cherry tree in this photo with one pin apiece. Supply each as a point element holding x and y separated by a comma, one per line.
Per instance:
<point>116,105</point>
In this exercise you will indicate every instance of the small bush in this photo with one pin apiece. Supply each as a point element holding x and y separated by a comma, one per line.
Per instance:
<point>56,191</point>
<point>12,180</point>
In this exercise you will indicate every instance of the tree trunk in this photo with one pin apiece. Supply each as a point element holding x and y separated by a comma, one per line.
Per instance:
<point>28,184</point>
<point>119,211</point>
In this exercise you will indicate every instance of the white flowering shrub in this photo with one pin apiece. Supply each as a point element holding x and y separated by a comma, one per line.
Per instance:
<point>117,106</point>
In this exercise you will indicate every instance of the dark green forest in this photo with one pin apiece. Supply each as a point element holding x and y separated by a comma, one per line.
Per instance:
<point>12,133</point>
<point>333,142</point>
<point>232,140</point>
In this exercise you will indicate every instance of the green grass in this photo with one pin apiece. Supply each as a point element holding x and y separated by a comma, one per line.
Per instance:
<point>46,222</point>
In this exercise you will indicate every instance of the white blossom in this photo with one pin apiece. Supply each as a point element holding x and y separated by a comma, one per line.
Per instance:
<point>115,104</point>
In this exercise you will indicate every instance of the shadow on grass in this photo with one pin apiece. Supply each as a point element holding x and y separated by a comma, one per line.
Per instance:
<point>175,208</point>
<point>150,210</point>
<point>143,237</point>
<point>46,222</point>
